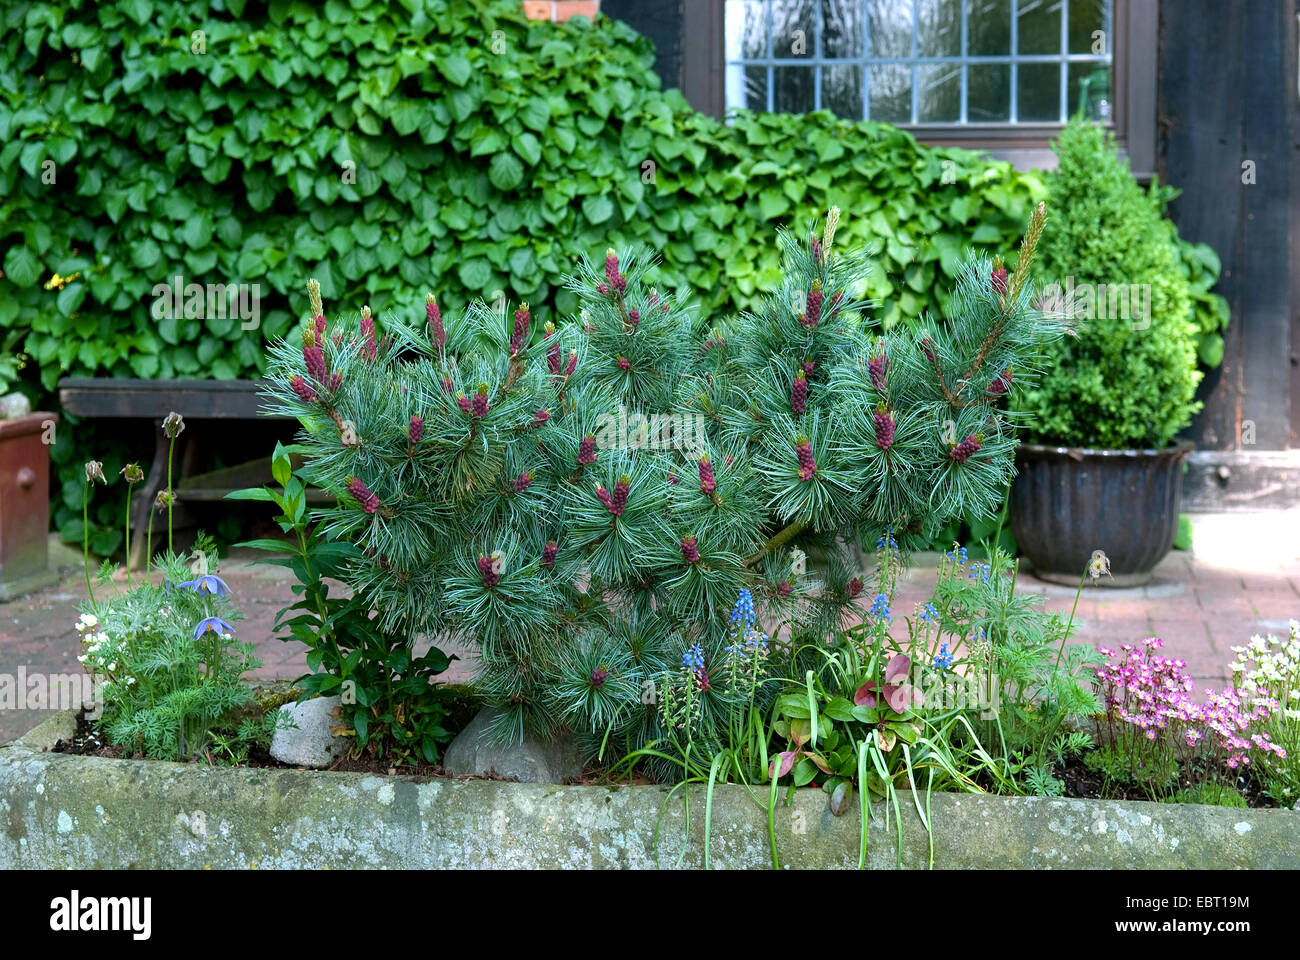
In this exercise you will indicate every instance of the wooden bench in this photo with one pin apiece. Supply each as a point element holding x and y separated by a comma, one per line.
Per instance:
<point>195,400</point>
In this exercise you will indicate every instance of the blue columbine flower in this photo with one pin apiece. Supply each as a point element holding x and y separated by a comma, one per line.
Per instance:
<point>209,583</point>
<point>743,612</point>
<point>693,658</point>
<point>943,659</point>
<point>957,555</point>
<point>929,613</point>
<point>880,607</point>
<point>980,572</point>
<point>215,624</point>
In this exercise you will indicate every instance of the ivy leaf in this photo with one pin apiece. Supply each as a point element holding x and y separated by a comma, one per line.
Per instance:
<point>505,172</point>
<point>475,274</point>
<point>535,114</point>
<point>597,208</point>
<point>455,67</point>
<point>527,146</point>
<point>22,266</point>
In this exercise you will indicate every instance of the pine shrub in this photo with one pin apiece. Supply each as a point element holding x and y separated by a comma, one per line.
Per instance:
<point>587,504</point>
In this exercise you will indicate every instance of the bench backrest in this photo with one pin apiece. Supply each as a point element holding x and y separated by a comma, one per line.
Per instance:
<point>193,399</point>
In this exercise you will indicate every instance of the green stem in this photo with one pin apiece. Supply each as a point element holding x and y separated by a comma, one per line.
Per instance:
<point>170,448</point>
<point>128,536</point>
<point>85,537</point>
<point>777,542</point>
<point>148,543</point>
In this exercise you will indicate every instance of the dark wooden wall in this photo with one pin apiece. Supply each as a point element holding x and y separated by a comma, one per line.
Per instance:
<point>1228,94</point>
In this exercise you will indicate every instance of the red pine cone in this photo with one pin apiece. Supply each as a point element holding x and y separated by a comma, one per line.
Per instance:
<point>690,552</point>
<point>540,417</point>
<point>808,368</point>
<point>633,317</point>
<point>1003,383</point>
<point>807,465</point>
<point>369,502</point>
<point>587,450</point>
<point>624,363</point>
<point>707,483</point>
<point>490,569</point>
<point>964,450</point>
<point>548,554</point>
<point>479,408</point>
<point>877,368</point>
<point>573,362</point>
<point>521,328</point>
<point>853,588</point>
<point>785,589</point>
<point>314,357</point>
<point>553,357</point>
<point>416,430</point>
<point>799,393</point>
<point>885,424</point>
<point>434,316</point>
<point>463,402</point>
<point>999,279</point>
<point>618,502</point>
<point>300,386</point>
<point>814,312</point>
<point>523,481</point>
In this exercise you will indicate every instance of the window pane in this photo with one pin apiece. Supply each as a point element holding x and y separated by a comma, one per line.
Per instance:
<point>1086,18</point>
<point>844,23</point>
<point>988,99</point>
<point>891,28</point>
<point>1040,92</point>
<point>988,28</point>
<point>891,93</point>
<point>794,29</point>
<point>1039,27</point>
<point>756,88</point>
<point>939,98</point>
<point>938,28</point>
<point>842,91</point>
<point>746,30</point>
<point>793,89</point>
<point>1090,91</point>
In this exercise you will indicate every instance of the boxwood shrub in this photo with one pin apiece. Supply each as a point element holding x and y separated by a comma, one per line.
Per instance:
<point>389,148</point>
<point>1128,379</point>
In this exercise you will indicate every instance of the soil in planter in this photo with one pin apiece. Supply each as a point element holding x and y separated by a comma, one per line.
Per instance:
<point>1084,783</point>
<point>89,741</point>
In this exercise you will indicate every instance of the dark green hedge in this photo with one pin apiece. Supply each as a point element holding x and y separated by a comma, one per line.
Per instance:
<point>488,151</point>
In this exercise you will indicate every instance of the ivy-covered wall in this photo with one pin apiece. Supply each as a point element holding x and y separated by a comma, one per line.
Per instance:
<point>389,148</point>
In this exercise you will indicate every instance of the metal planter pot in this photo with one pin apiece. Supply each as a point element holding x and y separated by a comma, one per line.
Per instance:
<point>1068,502</point>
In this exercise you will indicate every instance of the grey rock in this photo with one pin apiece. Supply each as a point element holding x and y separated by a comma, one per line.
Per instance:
<point>474,753</point>
<point>312,743</point>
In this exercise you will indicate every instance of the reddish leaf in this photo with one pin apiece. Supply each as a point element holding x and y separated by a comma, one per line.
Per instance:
<point>786,758</point>
<point>821,764</point>
<point>903,696</point>
<point>800,731</point>
<point>864,697</point>
<point>840,798</point>
<point>897,668</point>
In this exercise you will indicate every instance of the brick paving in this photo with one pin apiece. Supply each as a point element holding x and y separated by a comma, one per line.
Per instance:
<point>1242,577</point>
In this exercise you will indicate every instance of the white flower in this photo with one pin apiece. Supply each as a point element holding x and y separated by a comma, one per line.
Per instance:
<point>89,619</point>
<point>81,659</point>
<point>101,637</point>
<point>112,666</point>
